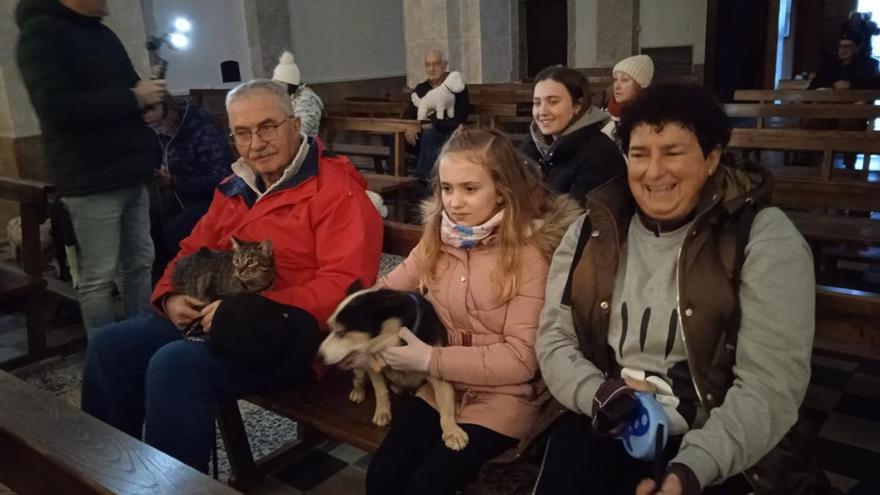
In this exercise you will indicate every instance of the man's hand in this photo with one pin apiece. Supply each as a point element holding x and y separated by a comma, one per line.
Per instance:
<point>182,309</point>
<point>671,486</point>
<point>149,92</point>
<point>411,135</point>
<point>414,356</point>
<point>841,84</point>
<point>207,315</point>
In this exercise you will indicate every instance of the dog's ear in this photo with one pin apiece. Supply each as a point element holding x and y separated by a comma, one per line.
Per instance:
<point>354,287</point>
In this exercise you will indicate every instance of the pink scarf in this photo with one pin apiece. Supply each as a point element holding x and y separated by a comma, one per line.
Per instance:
<point>461,236</point>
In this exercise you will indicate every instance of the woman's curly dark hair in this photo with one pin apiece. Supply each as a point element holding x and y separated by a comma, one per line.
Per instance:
<point>688,105</point>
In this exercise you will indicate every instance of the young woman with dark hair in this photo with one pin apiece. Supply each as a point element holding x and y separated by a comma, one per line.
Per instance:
<point>566,138</point>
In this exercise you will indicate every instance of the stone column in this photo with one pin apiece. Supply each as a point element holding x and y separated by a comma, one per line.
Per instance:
<point>268,33</point>
<point>614,34</point>
<point>478,37</point>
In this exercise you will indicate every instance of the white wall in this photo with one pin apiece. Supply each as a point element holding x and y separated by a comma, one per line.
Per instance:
<point>218,34</point>
<point>586,29</point>
<point>343,40</point>
<point>674,23</point>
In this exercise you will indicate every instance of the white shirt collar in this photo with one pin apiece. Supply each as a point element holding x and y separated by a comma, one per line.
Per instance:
<point>242,170</point>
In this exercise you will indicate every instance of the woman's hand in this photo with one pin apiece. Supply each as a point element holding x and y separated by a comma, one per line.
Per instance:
<point>671,486</point>
<point>414,356</point>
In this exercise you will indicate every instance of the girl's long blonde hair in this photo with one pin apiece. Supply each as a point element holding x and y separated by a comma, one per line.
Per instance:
<point>525,199</point>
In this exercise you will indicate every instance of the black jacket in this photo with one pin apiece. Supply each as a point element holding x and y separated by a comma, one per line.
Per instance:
<point>861,73</point>
<point>581,159</point>
<point>198,155</point>
<point>79,78</point>
<point>462,109</point>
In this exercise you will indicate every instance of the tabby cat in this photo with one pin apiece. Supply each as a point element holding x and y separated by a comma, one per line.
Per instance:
<point>210,275</point>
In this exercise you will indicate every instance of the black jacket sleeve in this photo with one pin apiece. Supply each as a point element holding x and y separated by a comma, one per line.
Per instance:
<point>54,95</point>
<point>601,162</point>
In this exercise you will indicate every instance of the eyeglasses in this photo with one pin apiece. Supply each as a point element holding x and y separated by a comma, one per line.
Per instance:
<point>266,132</point>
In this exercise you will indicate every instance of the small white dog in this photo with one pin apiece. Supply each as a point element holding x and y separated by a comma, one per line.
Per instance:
<point>440,100</point>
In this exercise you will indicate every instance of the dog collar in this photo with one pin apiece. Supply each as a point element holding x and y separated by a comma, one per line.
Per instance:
<point>418,322</point>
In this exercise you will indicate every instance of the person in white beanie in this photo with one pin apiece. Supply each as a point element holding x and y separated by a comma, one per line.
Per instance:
<point>631,75</point>
<point>307,105</point>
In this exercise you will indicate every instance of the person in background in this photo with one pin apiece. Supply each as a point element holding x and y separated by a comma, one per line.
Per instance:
<point>861,22</point>
<point>307,105</point>
<point>566,135</point>
<point>196,156</point>
<point>850,69</point>
<point>428,142</point>
<point>631,76</point>
<point>100,153</point>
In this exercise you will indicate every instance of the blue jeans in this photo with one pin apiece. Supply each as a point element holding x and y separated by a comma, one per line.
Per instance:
<point>113,236</point>
<point>430,142</point>
<point>141,375</point>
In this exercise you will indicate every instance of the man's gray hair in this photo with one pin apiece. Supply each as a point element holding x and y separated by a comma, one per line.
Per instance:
<point>439,53</point>
<point>265,86</point>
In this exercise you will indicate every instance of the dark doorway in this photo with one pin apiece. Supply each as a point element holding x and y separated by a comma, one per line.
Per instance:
<point>546,33</point>
<point>738,58</point>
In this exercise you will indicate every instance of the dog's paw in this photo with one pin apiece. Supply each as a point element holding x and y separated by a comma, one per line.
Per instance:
<point>381,418</point>
<point>357,395</point>
<point>455,438</point>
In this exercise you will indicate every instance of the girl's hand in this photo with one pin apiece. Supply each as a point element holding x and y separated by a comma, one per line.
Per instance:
<point>414,356</point>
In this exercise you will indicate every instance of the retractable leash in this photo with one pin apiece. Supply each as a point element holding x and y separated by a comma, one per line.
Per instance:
<point>646,435</point>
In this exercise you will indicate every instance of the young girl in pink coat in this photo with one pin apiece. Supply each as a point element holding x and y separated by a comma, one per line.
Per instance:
<point>488,235</point>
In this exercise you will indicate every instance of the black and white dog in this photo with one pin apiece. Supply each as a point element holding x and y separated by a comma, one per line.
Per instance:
<point>367,322</point>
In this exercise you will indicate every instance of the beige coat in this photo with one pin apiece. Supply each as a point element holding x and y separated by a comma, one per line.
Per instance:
<point>490,358</point>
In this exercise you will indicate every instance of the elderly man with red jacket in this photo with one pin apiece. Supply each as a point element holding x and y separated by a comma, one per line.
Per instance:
<point>143,375</point>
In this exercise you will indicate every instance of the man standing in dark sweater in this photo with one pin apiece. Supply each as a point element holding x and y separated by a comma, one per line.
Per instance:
<point>100,153</point>
<point>434,134</point>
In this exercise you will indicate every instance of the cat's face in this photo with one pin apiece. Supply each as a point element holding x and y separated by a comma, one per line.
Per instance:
<point>254,265</point>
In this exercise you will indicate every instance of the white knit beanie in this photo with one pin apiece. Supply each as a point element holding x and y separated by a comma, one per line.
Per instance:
<point>639,67</point>
<point>286,70</point>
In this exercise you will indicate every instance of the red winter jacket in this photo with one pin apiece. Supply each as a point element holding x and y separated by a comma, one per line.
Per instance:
<point>325,232</point>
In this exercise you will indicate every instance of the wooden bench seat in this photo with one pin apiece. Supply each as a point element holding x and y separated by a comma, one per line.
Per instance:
<point>47,446</point>
<point>394,186</point>
<point>324,406</point>
<point>836,228</point>
<point>826,142</point>
<point>15,283</point>
<point>850,301</point>
<point>26,283</point>
<point>805,95</point>
<point>393,127</point>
